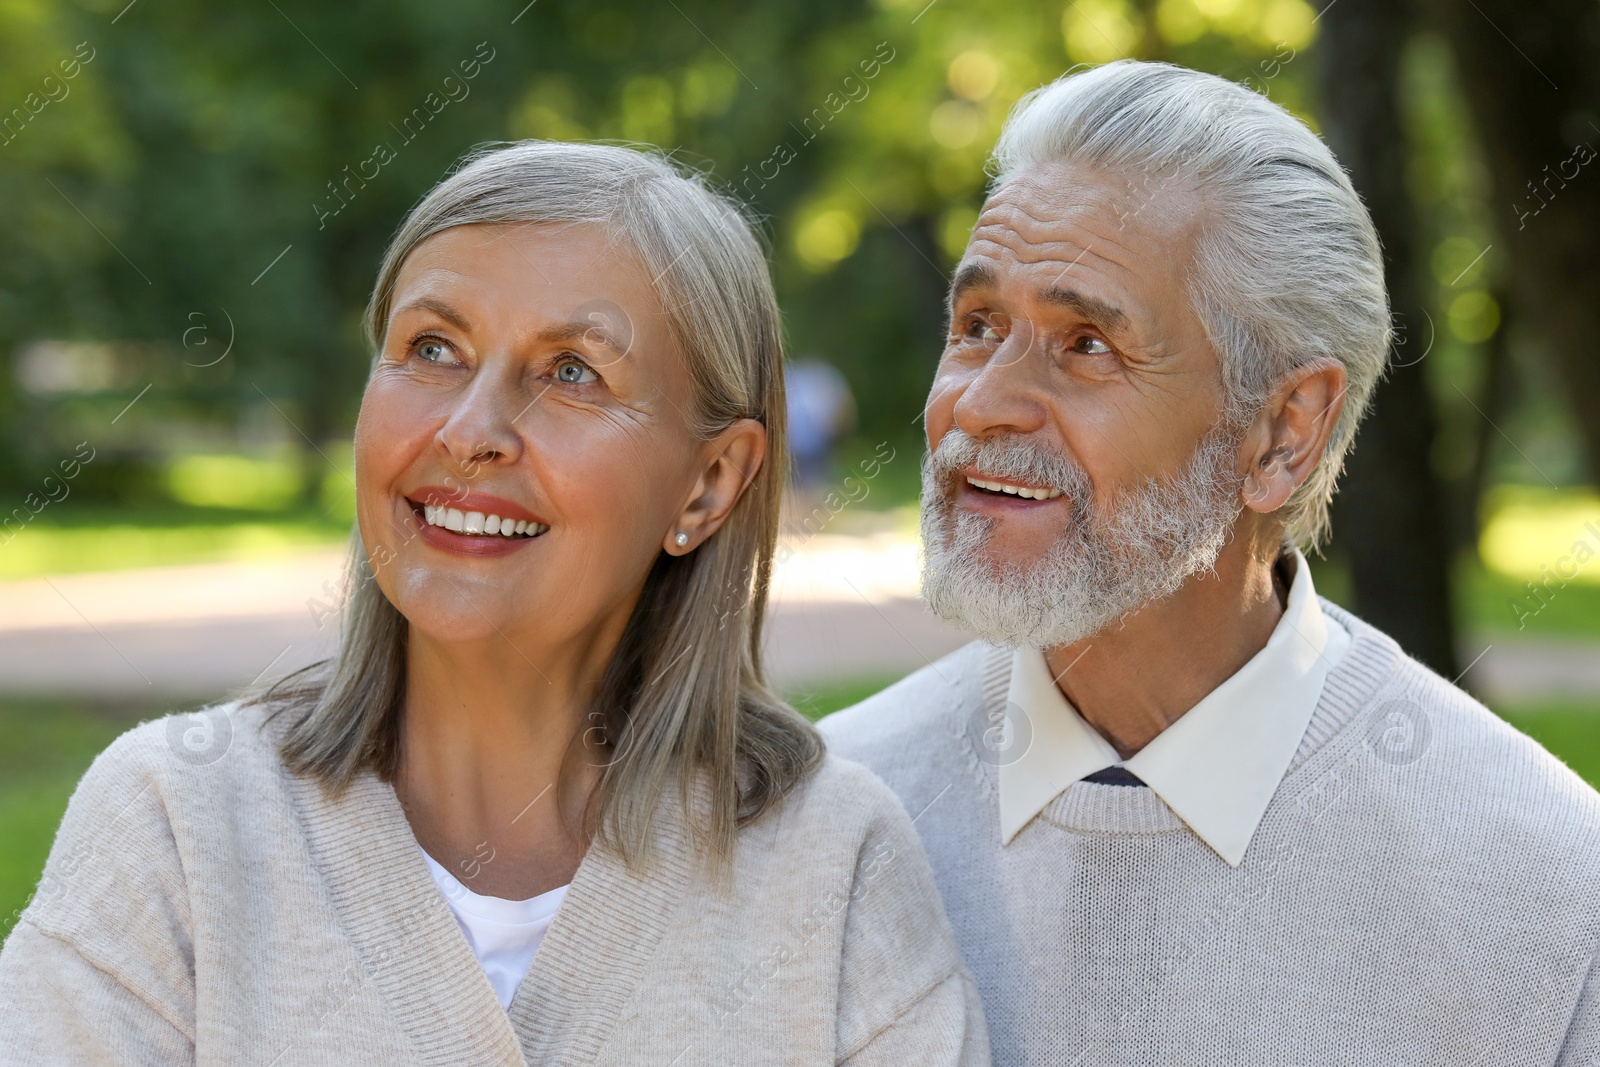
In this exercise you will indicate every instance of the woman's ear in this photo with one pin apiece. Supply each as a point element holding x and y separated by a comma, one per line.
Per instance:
<point>1291,433</point>
<point>731,461</point>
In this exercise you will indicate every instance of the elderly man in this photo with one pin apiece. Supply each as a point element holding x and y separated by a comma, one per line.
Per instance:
<point>1181,811</point>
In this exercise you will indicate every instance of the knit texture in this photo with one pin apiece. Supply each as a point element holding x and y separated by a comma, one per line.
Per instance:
<point>1423,889</point>
<point>208,907</point>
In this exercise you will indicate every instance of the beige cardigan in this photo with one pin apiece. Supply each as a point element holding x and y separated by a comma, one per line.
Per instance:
<point>213,909</point>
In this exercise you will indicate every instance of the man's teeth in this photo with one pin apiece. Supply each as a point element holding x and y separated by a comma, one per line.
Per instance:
<point>1015,490</point>
<point>476,522</point>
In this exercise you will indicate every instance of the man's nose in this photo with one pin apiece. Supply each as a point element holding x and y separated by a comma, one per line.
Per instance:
<point>1006,395</point>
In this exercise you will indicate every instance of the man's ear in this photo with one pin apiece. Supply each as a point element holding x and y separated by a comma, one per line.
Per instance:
<point>1291,433</point>
<point>731,462</point>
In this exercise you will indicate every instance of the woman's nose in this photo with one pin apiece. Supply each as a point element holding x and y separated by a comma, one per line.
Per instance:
<point>482,424</point>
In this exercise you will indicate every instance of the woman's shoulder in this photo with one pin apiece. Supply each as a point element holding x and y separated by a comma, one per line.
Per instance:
<point>844,780</point>
<point>150,813</point>
<point>184,760</point>
<point>210,735</point>
<point>843,800</point>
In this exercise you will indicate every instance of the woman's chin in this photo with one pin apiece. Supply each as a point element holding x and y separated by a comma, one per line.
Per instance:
<point>462,608</point>
<point>460,627</point>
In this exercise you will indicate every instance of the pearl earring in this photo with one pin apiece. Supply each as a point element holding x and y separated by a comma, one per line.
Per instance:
<point>681,540</point>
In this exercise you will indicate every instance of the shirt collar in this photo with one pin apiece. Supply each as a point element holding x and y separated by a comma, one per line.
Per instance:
<point>1218,765</point>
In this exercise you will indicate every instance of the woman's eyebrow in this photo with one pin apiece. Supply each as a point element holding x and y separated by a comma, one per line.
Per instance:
<point>575,330</point>
<point>439,308</point>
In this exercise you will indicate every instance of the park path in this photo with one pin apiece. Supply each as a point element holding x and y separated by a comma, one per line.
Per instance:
<point>844,608</point>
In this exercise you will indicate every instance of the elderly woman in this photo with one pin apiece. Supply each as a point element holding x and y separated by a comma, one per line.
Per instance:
<point>541,806</point>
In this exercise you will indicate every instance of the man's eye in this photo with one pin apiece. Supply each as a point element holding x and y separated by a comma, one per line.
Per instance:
<point>575,372</point>
<point>435,351</point>
<point>982,331</point>
<point>1091,346</point>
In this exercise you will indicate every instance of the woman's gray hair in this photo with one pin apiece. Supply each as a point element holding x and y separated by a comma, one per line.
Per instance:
<point>684,698</point>
<point>1287,265</point>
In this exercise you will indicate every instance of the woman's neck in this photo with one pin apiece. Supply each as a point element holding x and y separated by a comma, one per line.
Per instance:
<point>485,739</point>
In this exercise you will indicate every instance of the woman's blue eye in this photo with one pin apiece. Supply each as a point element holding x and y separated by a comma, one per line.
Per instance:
<point>575,372</point>
<point>433,351</point>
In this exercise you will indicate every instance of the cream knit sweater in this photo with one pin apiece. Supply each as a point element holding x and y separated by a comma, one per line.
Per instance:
<point>222,911</point>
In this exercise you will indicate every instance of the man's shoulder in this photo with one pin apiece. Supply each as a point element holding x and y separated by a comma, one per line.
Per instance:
<point>1502,756</point>
<point>1518,790</point>
<point>917,729</point>
<point>913,707</point>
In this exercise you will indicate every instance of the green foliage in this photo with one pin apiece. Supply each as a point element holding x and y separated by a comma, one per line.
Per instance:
<point>223,179</point>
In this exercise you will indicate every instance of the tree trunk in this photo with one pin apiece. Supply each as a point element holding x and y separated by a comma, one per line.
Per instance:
<point>1531,76</point>
<point>1497,398</point>
<point>1389,520</point>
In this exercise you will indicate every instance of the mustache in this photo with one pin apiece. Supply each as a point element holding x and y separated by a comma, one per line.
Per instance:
<point>1012,456</point>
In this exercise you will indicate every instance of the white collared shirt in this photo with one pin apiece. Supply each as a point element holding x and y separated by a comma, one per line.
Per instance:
<point>1218,765</point>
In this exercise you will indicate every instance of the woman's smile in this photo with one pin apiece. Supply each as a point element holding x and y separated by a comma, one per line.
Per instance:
<point>472,524</point>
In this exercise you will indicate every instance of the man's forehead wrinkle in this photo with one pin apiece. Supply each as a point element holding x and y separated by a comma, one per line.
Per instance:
<point>1172,207</point>
<point>1035,229</point>
<point>1076,233</point>
<point>1072,258</point>
<point>1012,207</point>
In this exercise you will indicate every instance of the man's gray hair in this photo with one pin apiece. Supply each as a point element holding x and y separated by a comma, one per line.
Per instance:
<point>1287,266</point>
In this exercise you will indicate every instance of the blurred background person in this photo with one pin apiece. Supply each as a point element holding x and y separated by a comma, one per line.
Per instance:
<point>821,411</point>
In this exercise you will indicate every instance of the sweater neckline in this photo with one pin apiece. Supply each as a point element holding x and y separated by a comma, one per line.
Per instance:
<point>591,960</point>
<point>403,931</point>
<point>1088,807</point>
<point>604,937</point>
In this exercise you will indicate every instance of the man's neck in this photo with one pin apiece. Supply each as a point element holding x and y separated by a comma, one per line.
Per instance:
<point>1141,675</point>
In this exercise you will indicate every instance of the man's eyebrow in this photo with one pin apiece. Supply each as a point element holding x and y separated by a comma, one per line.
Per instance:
<point>1101,312</point>
<point>1098,311</point>
<point>971,276</point>
<point>439,308</point>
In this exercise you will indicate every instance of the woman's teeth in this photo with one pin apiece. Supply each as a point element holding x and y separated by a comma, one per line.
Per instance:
<point>476,522</point>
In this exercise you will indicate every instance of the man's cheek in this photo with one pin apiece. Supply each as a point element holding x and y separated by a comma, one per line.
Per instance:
<point>938,414</point>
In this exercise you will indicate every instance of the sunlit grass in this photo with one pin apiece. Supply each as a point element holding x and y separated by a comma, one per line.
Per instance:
<point>1569,729</point>
<point>232,481</point>
<point>221,508</point>
<point>1536,534</point>
<point>41,549</point>
<point>1490,601</point>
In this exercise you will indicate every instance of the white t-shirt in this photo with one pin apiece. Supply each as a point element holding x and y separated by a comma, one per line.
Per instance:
<point>504,934</point>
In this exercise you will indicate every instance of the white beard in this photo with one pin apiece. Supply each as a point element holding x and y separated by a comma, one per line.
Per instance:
<point>1100,570</point>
